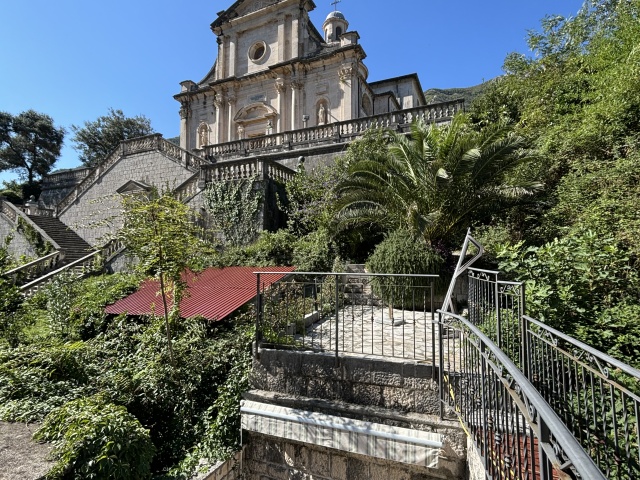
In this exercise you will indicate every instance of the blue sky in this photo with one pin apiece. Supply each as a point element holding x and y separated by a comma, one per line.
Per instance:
<point>74,59</point>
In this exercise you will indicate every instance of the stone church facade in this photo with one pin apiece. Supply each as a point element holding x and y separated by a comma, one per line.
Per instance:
<point>276,72</point>
<point>280,89</point>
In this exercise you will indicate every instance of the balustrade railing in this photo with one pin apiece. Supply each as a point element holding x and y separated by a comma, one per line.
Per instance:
<point>337,132</point>
<point>496,307</point>
<point>130,147</point>
<point>70,176</point>
<point>246,169</point>
<point>80,267</point>
<point>32,270</point>
<point>9,210</point>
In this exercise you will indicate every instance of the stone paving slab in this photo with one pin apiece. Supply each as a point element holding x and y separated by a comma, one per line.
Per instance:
<point>372,330</point>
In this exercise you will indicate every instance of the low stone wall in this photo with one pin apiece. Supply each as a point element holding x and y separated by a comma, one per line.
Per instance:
<point>269,458</point>
<point>19,245</point>
<point>229,470</point>
<point>385,391</point>
<point>404,385</point>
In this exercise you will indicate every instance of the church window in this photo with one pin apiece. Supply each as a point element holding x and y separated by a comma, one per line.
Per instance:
<point>257,51</point>
<point>338,33</point>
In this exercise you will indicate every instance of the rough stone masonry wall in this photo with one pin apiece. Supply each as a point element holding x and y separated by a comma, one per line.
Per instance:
<point>95,213</point>
<point>404,385</point>
<point>19,245</point>
<point>387,391</point>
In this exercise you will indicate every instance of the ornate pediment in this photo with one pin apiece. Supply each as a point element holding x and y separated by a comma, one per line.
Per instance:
<point>133,187</point>
<point>254,112</point>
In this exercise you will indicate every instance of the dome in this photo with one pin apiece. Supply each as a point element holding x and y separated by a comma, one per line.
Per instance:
<point>335,14</point>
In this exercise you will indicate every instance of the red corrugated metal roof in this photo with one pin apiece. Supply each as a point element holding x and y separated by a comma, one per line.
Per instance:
<point>212,294</point>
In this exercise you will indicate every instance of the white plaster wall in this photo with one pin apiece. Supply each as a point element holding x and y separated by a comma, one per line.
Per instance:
<point>96,212</point>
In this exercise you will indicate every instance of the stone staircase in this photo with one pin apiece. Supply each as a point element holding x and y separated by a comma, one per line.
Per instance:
<point>70,243</point>
<point>357,289</point>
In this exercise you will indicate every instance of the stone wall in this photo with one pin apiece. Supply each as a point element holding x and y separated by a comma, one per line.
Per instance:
<point>19,245</point>
<point>404,385</point>
<point>267,458</point>
<point>95,213</point>
<point>394,392</point>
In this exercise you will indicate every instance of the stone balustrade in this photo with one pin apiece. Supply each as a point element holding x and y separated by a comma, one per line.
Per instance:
<point>245,169</point>
<point>35,269</point>
<point>337,132</point>
<point>131,147</point>
<point>188,189</point>
<point>66,177</point>
<point>18,214</point>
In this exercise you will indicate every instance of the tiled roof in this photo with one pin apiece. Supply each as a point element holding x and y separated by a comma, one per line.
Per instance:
<point>212,294</point>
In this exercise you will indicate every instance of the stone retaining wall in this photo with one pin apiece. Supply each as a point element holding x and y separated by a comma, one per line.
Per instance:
<point>404,385</point>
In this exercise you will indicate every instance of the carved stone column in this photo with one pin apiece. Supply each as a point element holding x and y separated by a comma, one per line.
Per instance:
<point>296,98</point>
<point>346,74</point>
<point>185,113</point>
<point>231,105</point>
<point>218,101</point>
<point>281,88</point>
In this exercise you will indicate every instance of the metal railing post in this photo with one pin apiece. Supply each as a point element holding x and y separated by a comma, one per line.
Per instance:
<point>337,313</point>
<point>258,317</point>
<point>498,316</point>
<point>441,366</point>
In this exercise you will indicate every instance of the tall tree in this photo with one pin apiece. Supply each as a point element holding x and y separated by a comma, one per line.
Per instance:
<point>159,230</point>
<point>97,139</point>
<point>29,144</point>
<point>436,182</point>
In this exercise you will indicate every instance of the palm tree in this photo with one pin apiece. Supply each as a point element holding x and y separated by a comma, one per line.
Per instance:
<point>435,182</point>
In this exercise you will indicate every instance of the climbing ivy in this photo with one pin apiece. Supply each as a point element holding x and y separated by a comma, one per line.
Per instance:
<point>234,208</point>
<point>34,238</point>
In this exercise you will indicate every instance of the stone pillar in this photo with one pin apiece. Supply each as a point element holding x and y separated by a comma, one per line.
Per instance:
<point>232,55</point>
<point>295,38</point>
<point>282,39</point>
<point>281,88</point>
<point>231,106</point>
<point>296,99</point>
<point>185,112</point>
<point>218,101</point>
<point>221,63</point>
<point>346,74</point>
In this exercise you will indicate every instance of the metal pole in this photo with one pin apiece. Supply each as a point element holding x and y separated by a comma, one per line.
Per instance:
<point>498,319</point>
<point>337,309</point>
<point>441,367</point>
<point>258,316</point>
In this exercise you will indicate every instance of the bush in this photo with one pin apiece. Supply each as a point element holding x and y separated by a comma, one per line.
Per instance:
<point>315,252</point>
<point>93,439</point>
<point>271,249</point>
<point>400,253</point>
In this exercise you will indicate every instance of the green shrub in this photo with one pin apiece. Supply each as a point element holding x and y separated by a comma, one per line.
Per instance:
<point>93,439</point>
<point>271,249</point>
<point>400,253</point>
<point>315,252</point>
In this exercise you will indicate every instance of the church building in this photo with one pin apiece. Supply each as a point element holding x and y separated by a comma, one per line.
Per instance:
<point>276,72</point>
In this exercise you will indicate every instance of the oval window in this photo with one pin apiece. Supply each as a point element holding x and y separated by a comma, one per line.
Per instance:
<point>257,51</point>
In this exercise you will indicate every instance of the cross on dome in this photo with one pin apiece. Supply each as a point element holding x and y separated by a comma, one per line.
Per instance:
<point>335,4</point>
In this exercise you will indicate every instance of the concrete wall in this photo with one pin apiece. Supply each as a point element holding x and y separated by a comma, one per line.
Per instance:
<point>96,212</point>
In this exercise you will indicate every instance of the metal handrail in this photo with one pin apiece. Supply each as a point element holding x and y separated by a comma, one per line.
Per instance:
<point>540,415</point>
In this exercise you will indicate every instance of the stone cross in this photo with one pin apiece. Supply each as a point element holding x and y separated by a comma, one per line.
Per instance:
<point>335,4</point>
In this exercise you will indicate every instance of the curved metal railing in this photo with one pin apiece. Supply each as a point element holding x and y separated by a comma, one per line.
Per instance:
<point>516,432</point>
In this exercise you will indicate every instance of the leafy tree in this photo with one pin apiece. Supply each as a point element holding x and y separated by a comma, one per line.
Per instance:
<point>97,139</point>
<point>158,229</point>
<point>436,182</point>
<point>29,144</point>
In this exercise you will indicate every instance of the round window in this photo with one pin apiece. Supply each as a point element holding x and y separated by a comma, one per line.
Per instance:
<point>257,51</point>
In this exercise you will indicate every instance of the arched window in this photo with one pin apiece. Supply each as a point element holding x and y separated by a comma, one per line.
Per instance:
<point>338,33</point>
